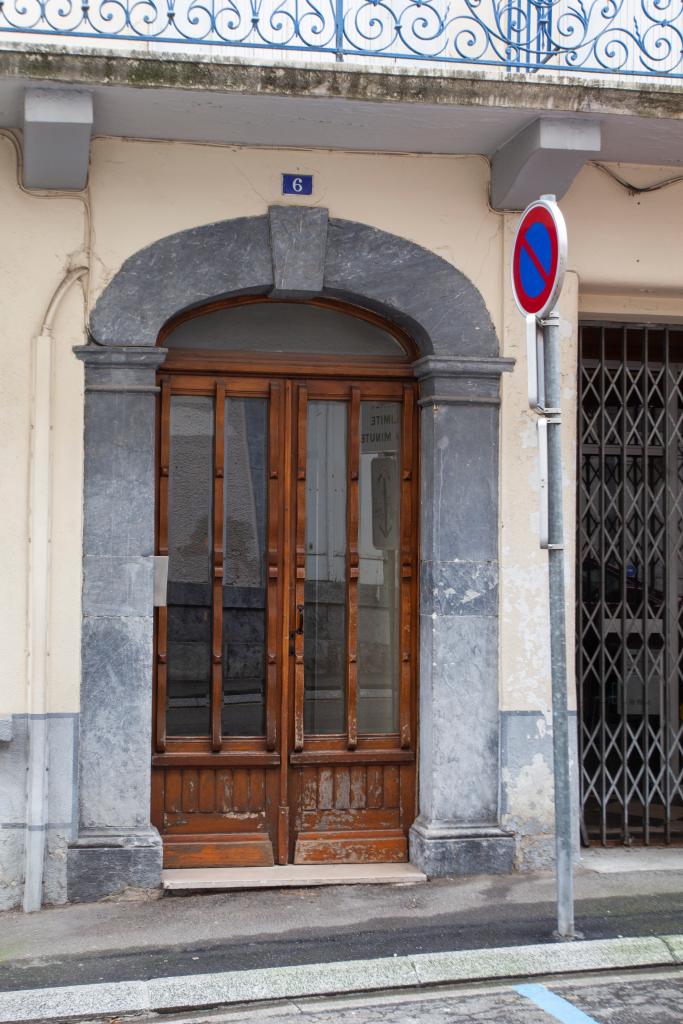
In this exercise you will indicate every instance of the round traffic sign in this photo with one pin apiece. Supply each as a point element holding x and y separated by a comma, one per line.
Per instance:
<point>539,258</point>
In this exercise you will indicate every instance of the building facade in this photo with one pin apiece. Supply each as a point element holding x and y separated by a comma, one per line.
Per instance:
<point>273,588</point>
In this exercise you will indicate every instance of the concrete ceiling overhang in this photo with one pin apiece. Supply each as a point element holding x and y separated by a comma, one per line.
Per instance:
<point>354,107</point>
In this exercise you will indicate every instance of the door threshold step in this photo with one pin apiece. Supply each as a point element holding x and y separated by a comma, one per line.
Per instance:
<point>224,879</point>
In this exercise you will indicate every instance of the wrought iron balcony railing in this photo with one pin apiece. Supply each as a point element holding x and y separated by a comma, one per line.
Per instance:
<point>615,37</point>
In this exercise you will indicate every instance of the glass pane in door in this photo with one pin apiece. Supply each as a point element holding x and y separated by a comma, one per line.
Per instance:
<point>244,573</point>
<point>379,553</point>
<point>325,586</point>
<point>190,480</point>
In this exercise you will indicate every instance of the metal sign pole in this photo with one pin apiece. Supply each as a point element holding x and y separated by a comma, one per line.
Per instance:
<point>558,642</point>
<point>539,260</point>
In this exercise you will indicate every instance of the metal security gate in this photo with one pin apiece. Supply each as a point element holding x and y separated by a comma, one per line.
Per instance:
<point>630,581</point>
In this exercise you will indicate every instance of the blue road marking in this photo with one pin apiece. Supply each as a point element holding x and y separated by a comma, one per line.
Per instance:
<point>554,1005</point>
<point>535,258</point>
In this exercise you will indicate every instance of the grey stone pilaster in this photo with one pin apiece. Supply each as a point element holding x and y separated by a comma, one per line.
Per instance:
<point>458,831</point>
<point>116,846</point>
<point>298,236</point>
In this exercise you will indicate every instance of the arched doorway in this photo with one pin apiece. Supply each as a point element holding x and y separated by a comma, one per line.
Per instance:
<point>284,709</point>
<point>293,253</point>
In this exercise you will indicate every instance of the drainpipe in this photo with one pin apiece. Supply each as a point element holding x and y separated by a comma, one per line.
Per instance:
<point>39,515</point>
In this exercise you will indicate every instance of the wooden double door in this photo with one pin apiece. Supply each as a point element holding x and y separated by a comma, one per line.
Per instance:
<point>284,710</point>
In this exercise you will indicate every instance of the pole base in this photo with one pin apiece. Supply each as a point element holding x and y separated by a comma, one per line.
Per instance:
<point>575,937</point>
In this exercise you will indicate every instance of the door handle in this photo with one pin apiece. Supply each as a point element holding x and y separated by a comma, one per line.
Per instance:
<point>299,631</point>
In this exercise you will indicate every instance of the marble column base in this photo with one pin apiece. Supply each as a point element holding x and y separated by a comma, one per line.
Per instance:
<point>101,864</point>
<point>442,850</point>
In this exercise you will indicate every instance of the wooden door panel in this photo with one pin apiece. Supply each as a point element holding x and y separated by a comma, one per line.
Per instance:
<point>385,847</point>
<point>357,808</point>
<point>348,796</point>
<point>201,824</point>
<point>221,791</point>
<point>215,817</point>
<point>337,820</point>
<point>349,787</point>
<point>408,795</point>
<point>218,851</point>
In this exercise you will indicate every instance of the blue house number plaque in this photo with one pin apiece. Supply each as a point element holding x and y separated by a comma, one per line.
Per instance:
<point>297,184</point>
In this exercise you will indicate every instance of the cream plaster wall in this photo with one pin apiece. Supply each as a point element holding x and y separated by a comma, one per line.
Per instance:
<point>622,248</point>
<point>39,234</point>
<point>626,244</point>
<point>67,507</point>
<point>524,624</point>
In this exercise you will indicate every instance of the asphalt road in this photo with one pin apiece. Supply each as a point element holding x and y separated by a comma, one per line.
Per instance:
<point>492,925</point>
<point>643,997</point>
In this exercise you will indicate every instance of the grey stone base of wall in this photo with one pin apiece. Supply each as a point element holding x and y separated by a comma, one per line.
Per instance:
<point>60,827</point>
<point>12,862</point>
<point>527,807</point>
<point>537,852</point>
<point>12,843</point>
<point>101,865</point>
<point>442,851</point>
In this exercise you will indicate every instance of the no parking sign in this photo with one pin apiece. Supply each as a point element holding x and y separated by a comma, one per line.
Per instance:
<point>539,258</point>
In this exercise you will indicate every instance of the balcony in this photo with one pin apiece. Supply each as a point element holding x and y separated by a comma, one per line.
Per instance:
<point>625,39</point>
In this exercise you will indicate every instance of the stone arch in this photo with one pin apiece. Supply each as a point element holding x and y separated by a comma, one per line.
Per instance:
<point>434,302</point>
<point>292,252</point>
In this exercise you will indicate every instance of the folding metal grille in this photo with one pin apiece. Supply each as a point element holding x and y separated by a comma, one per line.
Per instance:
<point>630,582</point>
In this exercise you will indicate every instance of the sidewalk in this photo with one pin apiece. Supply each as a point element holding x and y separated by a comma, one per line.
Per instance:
<point>232,938</point>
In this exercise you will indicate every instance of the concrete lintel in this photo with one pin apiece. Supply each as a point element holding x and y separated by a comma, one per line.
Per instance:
<point>57,128</point>
<point>544,157</point>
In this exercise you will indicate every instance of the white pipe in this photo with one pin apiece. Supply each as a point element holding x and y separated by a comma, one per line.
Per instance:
<point>39,518</point>
<point>69,278</point>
